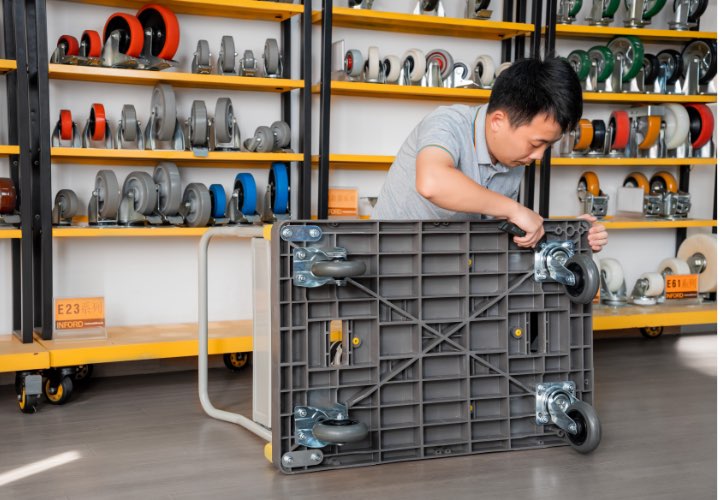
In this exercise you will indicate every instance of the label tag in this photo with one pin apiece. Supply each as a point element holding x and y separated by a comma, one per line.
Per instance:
<point>681,286</point>
<point>79,313</point>
<point>343,202</point>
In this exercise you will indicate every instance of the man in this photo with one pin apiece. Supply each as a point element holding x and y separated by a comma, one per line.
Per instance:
<point>465,162</point>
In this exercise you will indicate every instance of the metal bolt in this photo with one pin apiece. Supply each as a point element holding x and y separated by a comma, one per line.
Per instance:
<point>568,387</point>
<point>339,416</point>
<point>573,428</point>
<point>314,233</point>
<point>302,413</point>
<point>301,435</point>
<point>315,457</point>
<point>541,387</point>
<point>300,254</point>
<point>543,419</point>
<point>300,278</point>
<point>287,232</point>
<point>287,459</point>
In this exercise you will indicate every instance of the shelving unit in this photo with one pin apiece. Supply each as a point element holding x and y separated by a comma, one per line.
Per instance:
<point>389,91</point>
<point>668,314</point>
<point>646,34</point>
<point>631,98</point>
<point>127,232</point>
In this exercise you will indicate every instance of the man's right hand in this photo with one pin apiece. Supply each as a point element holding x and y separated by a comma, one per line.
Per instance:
<point>531,223</point>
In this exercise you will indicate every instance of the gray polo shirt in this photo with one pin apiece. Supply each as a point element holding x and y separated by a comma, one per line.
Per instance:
<point>459,130</point>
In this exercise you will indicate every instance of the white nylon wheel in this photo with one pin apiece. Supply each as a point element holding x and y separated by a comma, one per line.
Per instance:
<point>656,284</point>
<point>373,64</point>
<point>354,62</point>
<point>392,67</point>
<point>612,272</point>
<point>502,68</point>
<point>677,125</point>
<point>706,246</point>
<point>673,266</point>
<point>419,66</point>
<point>487,66</point>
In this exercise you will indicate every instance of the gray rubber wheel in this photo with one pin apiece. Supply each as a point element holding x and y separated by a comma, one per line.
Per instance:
<point>281,131</point>
<point>167,178</point>
<point>272,56</point>
<point>338,268</point>
<point>198,124</point>
<point>108,193</point>
<point>589,431</point>
<point>203,53</point>
<point>163,103</point>
<point>248,59</point>
<point>128,122</point>
<point>227,48</point>
<point>340,431</point>
<point>69,203</point>
<point>587,279</point>
<point>266,144</point>
<point>224,119</point>
<point>197,199</point>
<point>143,188</point>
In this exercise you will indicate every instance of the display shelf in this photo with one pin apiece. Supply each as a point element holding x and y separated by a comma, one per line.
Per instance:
<point>636,98</point>
<point>135,343</point>
<point>125,232</point>
<point>667,314</point>
<point>645,34</point>
<point>177,79</point>
<point>7,65</point>
<point>9,150</point>
<point>227,159</point>
<point>620,223</point>
<point>16,356</point>
<point>358,162</point>
<point>391,91</point>
<point>9,233</point>
<point>239,9</point>
<point>397,22</point>
<point>629,162</point>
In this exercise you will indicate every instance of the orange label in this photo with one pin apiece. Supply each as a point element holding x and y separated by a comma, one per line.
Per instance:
<point>343,202</point>
<point>79,313</point>
<point>681,286</point>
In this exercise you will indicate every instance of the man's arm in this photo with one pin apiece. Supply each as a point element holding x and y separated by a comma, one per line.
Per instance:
<point>440,182</point>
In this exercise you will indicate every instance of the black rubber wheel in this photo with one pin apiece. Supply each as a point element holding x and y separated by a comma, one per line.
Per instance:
<point>58,394</point>
<point>340,431</point>
<point>599,131</point>
<point>236,361</point>
<point>28,404</point>
<point>651,64</point>
<point>587,279</point>
<point>673,59</point>
<point>429,5</point>
<point>651,332</point>
<point>18,383</point>
<point>695,123</point>
<point>82,374</point>
<point>694,15</point>
<point>338,269</point>
<point>589,433</point>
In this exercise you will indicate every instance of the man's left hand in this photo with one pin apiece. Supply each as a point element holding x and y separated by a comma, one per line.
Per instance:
<point>598,236</point>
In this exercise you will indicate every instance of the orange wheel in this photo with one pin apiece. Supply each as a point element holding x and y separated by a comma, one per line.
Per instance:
<point>652,133</point>
<point>66,125</point>
<point>590,181</point>
<point>663,182</point>
<point>165,26</point>
<point>72,47</point>
<point>637,179</point>
<point>131,41</point>
<point>584,137</point>
<point>8,195</point>
<point>97,122</point>
<point>620,121</point>
<point>92,43</point>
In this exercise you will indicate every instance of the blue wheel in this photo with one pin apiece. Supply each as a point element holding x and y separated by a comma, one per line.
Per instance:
<point>217,201</point>
<point>279,186</point>
<point>247,201</point>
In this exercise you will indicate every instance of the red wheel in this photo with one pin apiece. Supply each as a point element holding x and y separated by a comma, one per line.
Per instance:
<point>72,47</point>
<point>92,43</point>
<point>66,125</point>
<point>97,122</point>
<point>131,41</point>
<point>700,133</point>
<point>8,195</point>
<point>621,134</point>
<point>165,26</point>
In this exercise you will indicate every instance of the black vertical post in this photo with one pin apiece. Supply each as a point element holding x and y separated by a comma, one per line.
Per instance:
<point>305,182</point>
<point>506,46</point>
<point>683,186</point>
<point>286,47</point>
<point>520,17</point>
<point>529,186</point>
<point>537,32</point>
<point>544,209</point>
<point>324,160</point>
<point>550,21</point>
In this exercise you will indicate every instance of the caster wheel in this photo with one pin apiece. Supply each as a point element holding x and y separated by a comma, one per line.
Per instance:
<point>354,63</point>
<point>202,55</point>
<point>651,332</point>
<point>68,202</point>
<point>677,125</point>
<point>706,52</point>
<point>620,129</point>
<point>227,54</point>
<point>143,188</point>
<point>700,252</point>
<point>583,135</point>
<point>650,130</point>
<point>247,193</point>
<point>97,122</point>
<point>70,44</point>
<point>164,107</point>
<point>217,201</point>
<point>197,200</point>
<point>672,60</point>
<point>612,274</point>
<point>637,180</point>
<point>610,7</point>
<point>392,68</point>
<point>271,53</point>
<point>132,37</point>
<point>663,182</point>
<point>589,432</point>
<point>444,60</point>
<point>598,141</point>
<point>338,269</point>
<point>128,123</point>
<point>82,374</point>
<point>279,186</point>
<point>429,5</point>
<point>673,266</point>
<point>224,123</point>
<point>8,195</point>
<point>66,125</point>
<point>587,279</point>
<point>58,394</point>
<point>604,60</point>
<point>236,361</point>
<point>483,71</point>
<point>28,403</point>
<point>340,431</point>
<point>281,132</point>
<point>575,8</point>
<point>415,59</point>
<point>91,43</point>
<point>651,64</point>
<point>589,183</point>
<point>108,194</point>
<point>165,29</point>
<point>697,9</point>
<point>264,140</point>
<point>632,51</point>
<point>702,124</point>
<point>198,124</point>
<point>167,177</point>
<point>580,61</point>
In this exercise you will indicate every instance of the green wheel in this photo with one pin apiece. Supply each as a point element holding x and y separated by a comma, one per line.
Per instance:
<point>580,61</point>
<point>575,8</point>
<point>653,8</point>
<point>610,7</point>
<point>632,52</point>
<point>604,60</point>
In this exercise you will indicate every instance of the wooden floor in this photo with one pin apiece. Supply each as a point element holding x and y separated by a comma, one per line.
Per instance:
<point>146,437</point>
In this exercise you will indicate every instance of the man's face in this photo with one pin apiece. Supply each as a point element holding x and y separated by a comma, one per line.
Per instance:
<point>515,147</point>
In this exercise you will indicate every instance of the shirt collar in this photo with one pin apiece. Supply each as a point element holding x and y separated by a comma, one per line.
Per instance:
<point>481,149</point>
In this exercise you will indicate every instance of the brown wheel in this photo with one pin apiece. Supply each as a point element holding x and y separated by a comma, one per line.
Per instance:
<point>8,196</point>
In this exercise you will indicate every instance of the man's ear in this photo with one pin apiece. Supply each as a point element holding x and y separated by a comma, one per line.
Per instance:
<point>497,118</point>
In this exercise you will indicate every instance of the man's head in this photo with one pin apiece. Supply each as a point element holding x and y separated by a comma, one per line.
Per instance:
<point>532,103</point>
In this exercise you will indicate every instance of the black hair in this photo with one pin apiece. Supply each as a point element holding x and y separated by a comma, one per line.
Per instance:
<point>530,87</point>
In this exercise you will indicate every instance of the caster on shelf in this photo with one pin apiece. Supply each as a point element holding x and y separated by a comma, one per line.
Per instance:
<point>65,133</point>
<point>478,9</point>
<point>8,203</point>
<point>567,10</point>
<point>198,129</point>
<point>97,132</point>
<point>602,12</point>
<point>593,200</point>
<point>224,130</point>
<point>163,128</point>
<point>430,8</point>
<point>236,361</point>
<point>201,63</point>
<point>66,207</point>
<point>129,132</point>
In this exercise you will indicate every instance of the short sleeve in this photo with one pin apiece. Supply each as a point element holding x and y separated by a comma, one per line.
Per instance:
<point>442,131</point>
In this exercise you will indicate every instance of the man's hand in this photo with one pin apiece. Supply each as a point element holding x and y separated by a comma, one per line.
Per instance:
<point>598,236</point>
<point>531,223</point>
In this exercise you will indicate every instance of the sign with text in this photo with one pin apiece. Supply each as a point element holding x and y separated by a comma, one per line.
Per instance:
<point>343,202</point>
<point>681,286</point>
<point>79,313</point>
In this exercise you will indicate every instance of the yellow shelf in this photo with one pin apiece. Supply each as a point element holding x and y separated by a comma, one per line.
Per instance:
<point>135,343</point>
<point>124,232</point>
<point>358,162</point>
<point>424,25</point>
<point>6,233</point>
<point>391,91</point>
<point>640,162</point>
<point>239,9</point>
<point>668,314</point>
<point>16,356</point>
<point>7,65</point>
<point>613,223</point>
<point>645,34</point>
<point>230,159</point>
<point>187,80</point>
<point>646,98</point>
<point>9,150</point>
